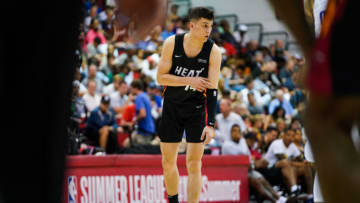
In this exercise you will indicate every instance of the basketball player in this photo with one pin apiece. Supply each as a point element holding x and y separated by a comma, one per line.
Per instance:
<point>334,103</point>
<point>189,68</point>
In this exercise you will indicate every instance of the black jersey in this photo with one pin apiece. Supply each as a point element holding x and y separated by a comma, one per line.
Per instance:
<point>184,66</point>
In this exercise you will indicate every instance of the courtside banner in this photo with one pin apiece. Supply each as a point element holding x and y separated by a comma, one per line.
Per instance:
<point>139,179</point>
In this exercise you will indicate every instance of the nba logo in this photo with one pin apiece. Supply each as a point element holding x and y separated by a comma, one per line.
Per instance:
<point>72,189</point>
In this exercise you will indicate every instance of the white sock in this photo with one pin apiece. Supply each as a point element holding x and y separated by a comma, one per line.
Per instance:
<point>310,196</point>
<point>293,188</point>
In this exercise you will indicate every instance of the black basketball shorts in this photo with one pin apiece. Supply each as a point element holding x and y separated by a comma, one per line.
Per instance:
<point>177,117</point>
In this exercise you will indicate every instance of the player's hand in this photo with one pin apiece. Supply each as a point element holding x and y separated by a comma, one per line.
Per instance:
<point>208,134</point>
<point>199,83</point>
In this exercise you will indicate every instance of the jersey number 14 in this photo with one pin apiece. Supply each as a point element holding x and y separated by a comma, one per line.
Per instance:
<point>188,87</point>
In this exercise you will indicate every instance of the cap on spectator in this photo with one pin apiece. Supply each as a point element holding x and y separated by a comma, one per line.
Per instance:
<point>250,135</point>
<point>105,99</point>
<point>243,28</point>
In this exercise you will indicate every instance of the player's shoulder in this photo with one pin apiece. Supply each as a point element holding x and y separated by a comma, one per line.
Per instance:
<point>215,51</point>
<point>170,40</point>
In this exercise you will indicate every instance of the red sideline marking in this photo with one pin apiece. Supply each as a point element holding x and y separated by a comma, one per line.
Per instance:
<point>86,161</point>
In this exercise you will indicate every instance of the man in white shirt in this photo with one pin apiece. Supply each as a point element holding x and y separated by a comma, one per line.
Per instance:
<point>284,155</point>
<point>238,146</point>
<point>260,99</point>
<point>112,87</point>
<point>241,35</point>
<point>91,98</point>
<point>226,119</point>
<point>119,98</point>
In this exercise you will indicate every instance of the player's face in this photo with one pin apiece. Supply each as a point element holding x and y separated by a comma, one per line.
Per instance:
<point>201,28</point>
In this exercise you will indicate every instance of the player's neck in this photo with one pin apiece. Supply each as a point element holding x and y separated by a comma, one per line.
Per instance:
<point>195,41</point>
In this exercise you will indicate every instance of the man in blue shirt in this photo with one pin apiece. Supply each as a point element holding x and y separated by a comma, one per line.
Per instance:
<point>146,126</point>
<point>280,101</point>
<point>101,127</point>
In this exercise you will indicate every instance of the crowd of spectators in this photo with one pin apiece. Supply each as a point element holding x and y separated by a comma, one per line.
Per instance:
<point>118,102</point>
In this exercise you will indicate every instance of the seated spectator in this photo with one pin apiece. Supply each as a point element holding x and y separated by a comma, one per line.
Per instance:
<point>257,65</point>
<point>119,98</point>
<point>79,109</point>
<point>261,100</point>
<point>257,124</point>
<point>237,145</point>
<point>82,87</point>
<point>270,120</point>
<point>227,35</point>
<point>284,157</point>
<point>281,125</point>
<point>226,119</point>
<point>93,14</point>
<point>168,31</point>
<point>151,68</point>
<point>146,125</point>
<point>298,98</point>
<point>270,135</point>
<point>95,31</point>
<point>262,83</point>
<point>299,142</point>
<point>251,47</point>
<point>241,36</point>
<point>155,91</point>
<point>253,107</point>
<point>96,49</point>
<point>295,124</point>
<point>101,127</point>
<point>231,80</point>
<point>287,72</point>
<point>91,98</point>
<point>172,14</point>
<point>108,22</point>
<point>241,109</point>
<point>93,75</point>
<point>112,87</point>
<point>280,101</point>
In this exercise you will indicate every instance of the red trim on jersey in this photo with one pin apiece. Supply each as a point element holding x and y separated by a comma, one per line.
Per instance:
<point>162,94</point>
<point>206,112</point>
<point>319,78</point>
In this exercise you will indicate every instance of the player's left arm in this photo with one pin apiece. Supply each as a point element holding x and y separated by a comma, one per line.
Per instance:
<point>214,66</point>
<point>211,93</point>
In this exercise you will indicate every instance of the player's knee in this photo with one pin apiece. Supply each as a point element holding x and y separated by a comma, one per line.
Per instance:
<point>193,166</point>
<point>168,164</point>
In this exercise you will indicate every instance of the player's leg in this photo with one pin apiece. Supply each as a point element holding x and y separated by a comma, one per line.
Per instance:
<point>170,133</point>
<point>194,153</point>
<point>169,153</point>
<point>328,124</point>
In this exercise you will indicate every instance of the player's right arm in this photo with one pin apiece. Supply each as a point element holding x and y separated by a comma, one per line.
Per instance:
<point>163,76</point>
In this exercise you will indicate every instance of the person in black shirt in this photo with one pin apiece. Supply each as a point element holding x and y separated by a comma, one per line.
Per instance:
<point>189,68</point>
